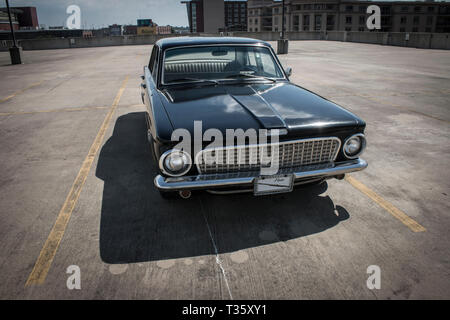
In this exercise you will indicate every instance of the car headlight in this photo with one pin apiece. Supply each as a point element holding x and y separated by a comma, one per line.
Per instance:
<point>354,146</point>
<point>175,163</point>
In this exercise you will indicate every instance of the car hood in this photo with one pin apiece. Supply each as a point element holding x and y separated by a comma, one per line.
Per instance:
<point>280,105</point>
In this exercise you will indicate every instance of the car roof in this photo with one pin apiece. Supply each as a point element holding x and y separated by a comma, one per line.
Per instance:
<point>192,41</point>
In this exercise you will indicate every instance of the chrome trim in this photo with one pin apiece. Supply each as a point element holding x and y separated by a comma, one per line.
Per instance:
<point>163,157</point>
<point>269,144</point>
<point>363,146</point>
<point>219,192</point>
<point>225,192</point>
<point>247,178</point>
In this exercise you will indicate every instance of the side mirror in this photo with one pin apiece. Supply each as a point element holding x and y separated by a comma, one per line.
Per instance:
<point>288,71</point>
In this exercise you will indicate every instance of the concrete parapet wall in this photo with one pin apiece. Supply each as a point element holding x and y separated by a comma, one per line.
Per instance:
<point>414,40</point>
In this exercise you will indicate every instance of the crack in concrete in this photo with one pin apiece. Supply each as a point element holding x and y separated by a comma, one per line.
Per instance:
<point>218,261</point>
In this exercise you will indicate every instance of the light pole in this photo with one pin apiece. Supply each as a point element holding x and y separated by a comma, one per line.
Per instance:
<point>283,42</point>
<point>15,52</point>
<point>282,21</point>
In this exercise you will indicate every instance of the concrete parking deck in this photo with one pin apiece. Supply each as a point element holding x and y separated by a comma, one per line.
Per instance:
<point>129,243</point>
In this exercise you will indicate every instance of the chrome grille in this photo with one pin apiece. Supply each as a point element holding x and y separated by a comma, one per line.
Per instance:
<point>294,153</point>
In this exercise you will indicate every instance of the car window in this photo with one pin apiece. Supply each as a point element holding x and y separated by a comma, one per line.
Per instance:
<point>266,63</point>
<point>152,59</point>
<point>218,63</point>
<point>155,65</point>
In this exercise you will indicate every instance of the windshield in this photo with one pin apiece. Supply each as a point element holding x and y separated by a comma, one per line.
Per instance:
<point>219,63</point>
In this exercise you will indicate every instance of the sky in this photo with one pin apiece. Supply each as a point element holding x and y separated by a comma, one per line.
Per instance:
<point>99,13</point>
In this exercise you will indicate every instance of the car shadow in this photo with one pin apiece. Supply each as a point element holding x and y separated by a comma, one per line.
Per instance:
<point>138,225</point>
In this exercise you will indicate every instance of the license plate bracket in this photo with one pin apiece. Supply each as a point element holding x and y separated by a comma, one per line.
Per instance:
<point>273,184</point>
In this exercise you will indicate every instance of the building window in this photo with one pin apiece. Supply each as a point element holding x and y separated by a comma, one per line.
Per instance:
<point>361,29</point>
<point>362,19</point>
<point>415,29</point>
<point>430,9</point>
<point>416,20</point>
<point>317,22</point>
<point>318,6</point>
<point>275,10</point>
<point>348,28</point>
<point>402,29</point>
<point>306,22</point>
<point>403,20</point>
<point>349,8</point>
<point>330,6</point>
<point>417,9</point>
<point>427,29</point>
<point>330,20</point>
<point>444,9</point>
<point>385,10</point>
<point>296,23</point>
<point>306,7</point>
<point>250,29</point>
<point>348,19</point>
<point>429,20</point>
<point>256,29</point>
<point>362,9</point>
<point>256,20</point>
<point>275,20</point>
<point>298,7</point>
<point>385,20</point>
<point>250,21</point>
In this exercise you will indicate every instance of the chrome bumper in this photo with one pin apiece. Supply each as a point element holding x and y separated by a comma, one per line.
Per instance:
<point>211,181</point>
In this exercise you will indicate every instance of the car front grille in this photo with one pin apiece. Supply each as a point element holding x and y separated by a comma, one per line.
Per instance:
<point>294,153</point>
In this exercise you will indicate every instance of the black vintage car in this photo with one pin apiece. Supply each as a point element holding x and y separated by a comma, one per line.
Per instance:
<point>205,85</point>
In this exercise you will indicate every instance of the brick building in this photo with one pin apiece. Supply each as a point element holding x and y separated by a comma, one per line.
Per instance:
<point>339,15</point>
<point>23,18</point>
<point>216,15</point>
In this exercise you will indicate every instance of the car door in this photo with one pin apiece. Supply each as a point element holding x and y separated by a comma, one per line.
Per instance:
<point>148,85</point>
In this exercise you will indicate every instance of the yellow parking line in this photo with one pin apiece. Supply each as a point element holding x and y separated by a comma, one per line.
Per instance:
<point>375,99</point>
<point>132,105</point>
<point>401,107</point>
<point>389,207</point>
<point>20,91</point>
<point>52,110</point>
<point>3,114</point>
<point>48,252</point>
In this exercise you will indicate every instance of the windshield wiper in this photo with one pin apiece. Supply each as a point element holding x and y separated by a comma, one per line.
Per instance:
<point>238,75</point>
<point>192,80</point>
